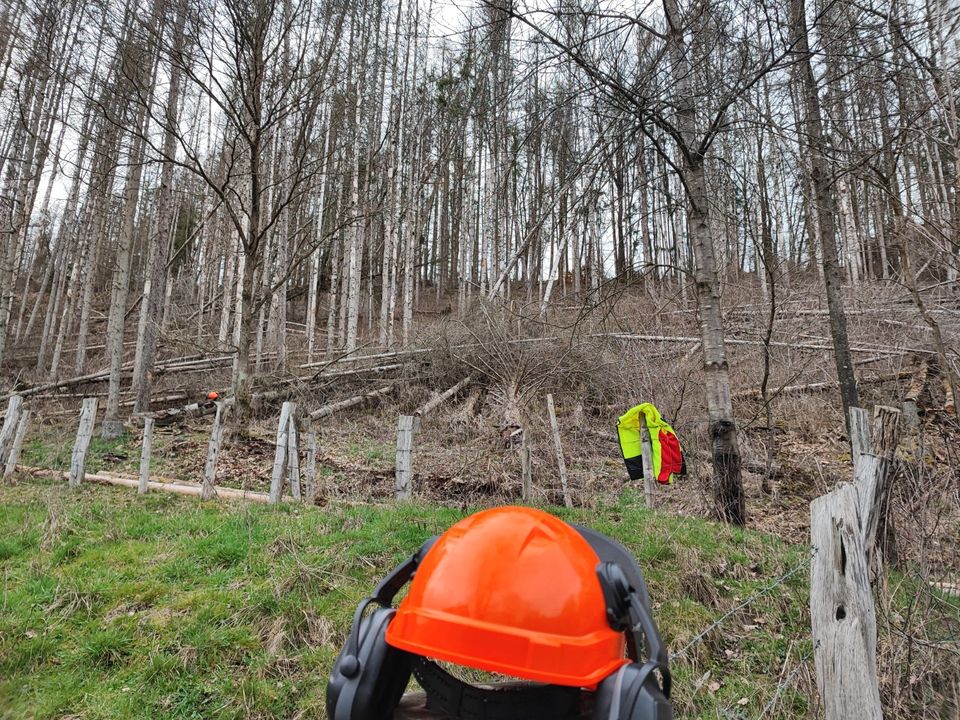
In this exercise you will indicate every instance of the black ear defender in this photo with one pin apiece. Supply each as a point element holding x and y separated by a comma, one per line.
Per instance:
<point>641,689</point>
<point>369,676</point>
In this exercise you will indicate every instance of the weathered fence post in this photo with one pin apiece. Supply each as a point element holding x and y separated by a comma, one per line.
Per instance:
<point>886,431</point>
<point>649,482</point>
<point>558,446</point>
<point>145,456</point>
<point>873,469</point>
<point>310,481</point>
<point>280,457</point>
<point>842,615</point>
<point>406,427</point>
<point>78,461</point>
<point>293,455</point>
<point>859,433</point>
<point>870,478</point>
<point>526,469</point>
<point>844,525</point>
<point>208,490</point>
<point>13,457</point>
<point>886,437</point>
<point>10,423</point>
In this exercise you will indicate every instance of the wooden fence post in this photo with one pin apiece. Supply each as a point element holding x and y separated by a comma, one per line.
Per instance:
<point>406,427</point>
<point>13,457</point>
<point>859,433</point>
<point>558,446</point>
<point>310,481</point>
<point>842,615</point>
<point>649,482</point>
<point>78,461</point>
<point>280,457</point>
<point>844,526</point>
<point>293,455</point>
<point>145,456</point>
<point>886,431</point>
<point>874,450</point>
<point>526,469</point>
<point>10,423</point>
<point>208,490</point>
<point>871,479</point>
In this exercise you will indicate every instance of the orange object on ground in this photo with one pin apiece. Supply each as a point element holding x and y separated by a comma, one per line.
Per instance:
<point>213,395</point>
<point>511,590</point>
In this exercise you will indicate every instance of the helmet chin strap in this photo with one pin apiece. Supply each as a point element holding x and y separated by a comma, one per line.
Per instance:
<point>643,628</point>
<point>455,698</point>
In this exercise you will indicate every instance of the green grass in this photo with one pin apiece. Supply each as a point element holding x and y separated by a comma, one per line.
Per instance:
<point>115,606</point>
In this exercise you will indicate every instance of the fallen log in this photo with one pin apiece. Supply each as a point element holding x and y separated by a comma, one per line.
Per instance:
<point>178,488</point>
<point>818,386</point>
<point>361,358</point>
<point>162,418</point>
<point>202,408</point>
<point>168,367</point>
<point>332,408</point>
<point>774,343</point>
<point>444,396</point>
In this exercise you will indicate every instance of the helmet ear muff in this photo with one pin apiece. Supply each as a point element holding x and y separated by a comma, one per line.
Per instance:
<point>368,681</point>
<point>632,693</point>
<point>369,676</point>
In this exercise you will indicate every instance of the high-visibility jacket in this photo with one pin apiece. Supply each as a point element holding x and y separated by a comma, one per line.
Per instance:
<point>664,445</point>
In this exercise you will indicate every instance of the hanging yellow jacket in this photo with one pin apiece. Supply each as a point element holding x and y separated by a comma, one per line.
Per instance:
<point>664,445</point>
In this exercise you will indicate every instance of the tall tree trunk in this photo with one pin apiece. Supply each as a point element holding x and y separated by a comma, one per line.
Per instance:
<point>727,480</point>
<point>112,426</point>
<point>826,210</point>
<point>154,283</point>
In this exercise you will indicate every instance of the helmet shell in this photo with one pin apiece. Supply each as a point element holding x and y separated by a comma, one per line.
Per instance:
<point>511,590</point>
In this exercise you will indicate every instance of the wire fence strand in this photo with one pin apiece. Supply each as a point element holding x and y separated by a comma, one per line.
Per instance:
<point>746,603</point>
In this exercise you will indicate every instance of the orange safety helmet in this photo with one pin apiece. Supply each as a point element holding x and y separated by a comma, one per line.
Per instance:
<point>511,590</point>
<point>213,395</point>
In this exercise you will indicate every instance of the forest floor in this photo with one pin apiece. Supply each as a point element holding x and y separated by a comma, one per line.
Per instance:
<point>260,597</point>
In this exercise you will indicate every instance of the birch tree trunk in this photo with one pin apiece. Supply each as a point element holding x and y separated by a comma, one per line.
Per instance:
<point>727,480</point>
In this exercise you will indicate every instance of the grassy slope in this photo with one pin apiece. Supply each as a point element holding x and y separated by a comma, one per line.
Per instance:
<point>115,606</point>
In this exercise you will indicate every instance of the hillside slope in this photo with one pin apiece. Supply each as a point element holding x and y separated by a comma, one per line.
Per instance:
<point>115,606</point>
